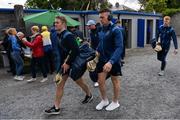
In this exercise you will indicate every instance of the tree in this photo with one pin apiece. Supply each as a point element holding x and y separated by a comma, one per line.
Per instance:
<point>142,3</point>
<point>67,4</point>
<point>156,5</point>
<point>173,3</point>
<point>166,7</point>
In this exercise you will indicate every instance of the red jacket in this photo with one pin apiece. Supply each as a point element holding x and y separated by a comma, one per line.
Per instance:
<point>37,46</point>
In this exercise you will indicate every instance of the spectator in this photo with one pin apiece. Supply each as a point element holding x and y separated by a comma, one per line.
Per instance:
<point>94,41</point>
<point>55,49</point>
<point>118,23</point>
<point>16,54</point>
<point>47,49</point>
<point>37,53</point>
<point>8,48</point>
<point>77,34</point>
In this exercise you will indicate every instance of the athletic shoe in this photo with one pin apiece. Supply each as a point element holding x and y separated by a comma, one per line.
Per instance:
<point>20,78</point>
<point>87,99</point>
<point>112,106</point>
<point>161,73</point>
<point>52,111</point>
<point>31,80</point>
<point>44,80</point>
<point>96,84</point>
<point>15,77</point>
<point>102,104</point>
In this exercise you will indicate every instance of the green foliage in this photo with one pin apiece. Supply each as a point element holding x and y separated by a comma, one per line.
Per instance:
<point>104,5</point>
<point>170,12</point>
<point>173,3</point>
<point>67,4</point>
<point>167,7</point>
<point>157,5</point>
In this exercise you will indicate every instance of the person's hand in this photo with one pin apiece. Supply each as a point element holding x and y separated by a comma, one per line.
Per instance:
<point>24,40</point>
<point>107,67</point>
<point>175,51</point>
<point>65,67</point>
<point>97,54</point>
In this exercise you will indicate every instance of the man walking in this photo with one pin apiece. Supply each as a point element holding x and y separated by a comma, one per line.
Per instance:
<point>166,33</point>
<point>110,49</point>
<point>69,50</point>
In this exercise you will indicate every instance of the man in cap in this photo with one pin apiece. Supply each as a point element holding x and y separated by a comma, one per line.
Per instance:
<point>94,41</point>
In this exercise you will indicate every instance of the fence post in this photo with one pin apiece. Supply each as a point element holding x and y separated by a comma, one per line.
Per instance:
<point>19,13</point>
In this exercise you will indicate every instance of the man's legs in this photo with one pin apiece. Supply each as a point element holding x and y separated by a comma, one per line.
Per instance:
<point>80,82</point>
<point>162,57</point>
<point>89,97</point>
<point>94,77</point>
<point>116,87</point>
<point>102,88</point>
<point>116,90</point>
<point>163,65</point>
<point>60,91</point>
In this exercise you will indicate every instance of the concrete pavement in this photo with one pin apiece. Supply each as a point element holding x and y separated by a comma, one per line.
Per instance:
<point>144,94</point>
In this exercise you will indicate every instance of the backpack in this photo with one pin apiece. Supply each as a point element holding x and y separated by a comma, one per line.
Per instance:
<point>86,54</point>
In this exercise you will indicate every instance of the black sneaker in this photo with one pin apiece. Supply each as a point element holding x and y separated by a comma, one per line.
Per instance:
<point>52,111</point>
<point>87,99</point>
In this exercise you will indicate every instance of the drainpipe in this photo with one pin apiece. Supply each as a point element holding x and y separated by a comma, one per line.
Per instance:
<point>84,23</point>
<point>19,13</point>
<point>118,16</point>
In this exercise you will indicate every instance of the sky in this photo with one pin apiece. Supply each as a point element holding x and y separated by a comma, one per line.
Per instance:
<point>11,3</point>
<point>129,3</point>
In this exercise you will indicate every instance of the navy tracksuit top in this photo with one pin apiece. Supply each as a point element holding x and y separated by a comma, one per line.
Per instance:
<point>167,34</point>
<point>110,44</point>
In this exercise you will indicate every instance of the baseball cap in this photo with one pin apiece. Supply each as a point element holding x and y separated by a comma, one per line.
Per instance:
<point>91,22</point>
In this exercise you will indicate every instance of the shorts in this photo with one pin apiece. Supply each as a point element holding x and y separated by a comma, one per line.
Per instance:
<point>115,71</point>
<point>76,73</point>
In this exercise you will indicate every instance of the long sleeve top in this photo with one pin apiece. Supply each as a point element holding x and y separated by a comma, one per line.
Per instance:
<point>166,34</point>
<point>37,46</point>
<point>15,46</point>
<point>110,44</point>
<point>68,47</point>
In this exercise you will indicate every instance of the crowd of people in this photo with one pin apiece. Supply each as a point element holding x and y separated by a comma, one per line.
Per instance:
<point>55,51</point>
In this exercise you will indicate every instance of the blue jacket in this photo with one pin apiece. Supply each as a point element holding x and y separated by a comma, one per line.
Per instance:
<point>54,41</point>
<point>122,29</point>
<point>94,38</point>
<point>110,44</point>
<point>55,49</point>
<point>166,34</point>
<point>15,46</point>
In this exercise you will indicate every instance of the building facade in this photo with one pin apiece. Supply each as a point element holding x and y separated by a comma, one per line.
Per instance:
<point>140,27</point>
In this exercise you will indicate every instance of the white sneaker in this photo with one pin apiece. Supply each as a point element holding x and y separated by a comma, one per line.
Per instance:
<point>112,106</point>
<point>96,84</point>
<point>44,80</point>
<point>161,73</point>
<point>102,104</point>
<point>15,77</point>
<point>20,78</point>
<point>31,80</point>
